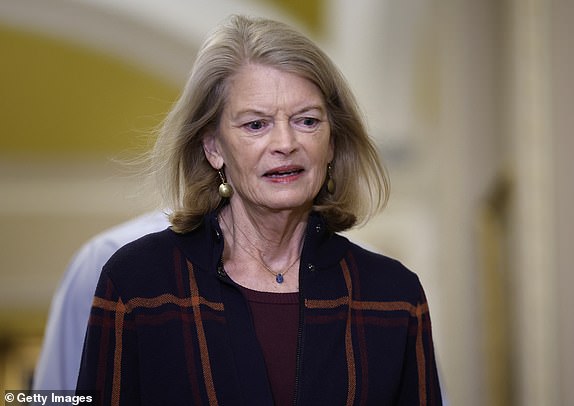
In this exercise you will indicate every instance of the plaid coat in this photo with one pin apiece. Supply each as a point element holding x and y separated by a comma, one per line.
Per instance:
<point>169,327</point>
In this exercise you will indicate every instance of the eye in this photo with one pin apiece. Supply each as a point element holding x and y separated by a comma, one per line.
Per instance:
<point>307,123</point>
<point>255,125</point>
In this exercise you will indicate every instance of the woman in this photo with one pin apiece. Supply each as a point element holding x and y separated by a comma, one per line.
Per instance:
<point>251,298</point>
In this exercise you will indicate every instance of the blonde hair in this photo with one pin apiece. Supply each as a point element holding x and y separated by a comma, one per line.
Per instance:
<point>189,184</point>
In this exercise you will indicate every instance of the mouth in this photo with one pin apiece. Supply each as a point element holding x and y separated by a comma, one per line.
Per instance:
<point>283,172</point>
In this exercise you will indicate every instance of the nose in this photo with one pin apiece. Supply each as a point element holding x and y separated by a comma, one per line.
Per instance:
<point>284,138</point>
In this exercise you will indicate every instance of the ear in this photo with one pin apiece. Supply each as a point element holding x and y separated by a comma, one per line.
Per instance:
<point>212,150</point>
<point>331,150</point>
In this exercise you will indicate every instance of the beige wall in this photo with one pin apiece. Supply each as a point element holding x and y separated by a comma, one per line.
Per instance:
<point>562,121</point>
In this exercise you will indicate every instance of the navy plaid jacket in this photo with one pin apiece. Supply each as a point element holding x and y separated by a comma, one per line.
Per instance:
<point>169,327</point>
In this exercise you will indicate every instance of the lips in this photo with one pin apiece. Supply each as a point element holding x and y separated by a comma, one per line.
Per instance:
<point>283,172</point>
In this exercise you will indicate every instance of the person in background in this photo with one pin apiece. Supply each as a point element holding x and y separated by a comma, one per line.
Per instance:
<point>59,362</point>
<point>251,297</point>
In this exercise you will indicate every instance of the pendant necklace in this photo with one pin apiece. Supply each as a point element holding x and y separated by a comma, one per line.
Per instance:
<point>279,276</point>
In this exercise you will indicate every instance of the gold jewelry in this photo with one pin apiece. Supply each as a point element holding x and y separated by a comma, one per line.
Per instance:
<point>330,181</point>
<point>279,276</point>
<point>225,189</point>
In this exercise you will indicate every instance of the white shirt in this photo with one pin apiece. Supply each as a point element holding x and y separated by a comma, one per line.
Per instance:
<point>59,361</point>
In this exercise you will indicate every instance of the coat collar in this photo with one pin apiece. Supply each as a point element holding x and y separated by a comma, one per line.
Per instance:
<point>204,245</point>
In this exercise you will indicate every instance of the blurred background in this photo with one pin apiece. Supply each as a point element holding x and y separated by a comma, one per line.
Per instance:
<point>469,101</point>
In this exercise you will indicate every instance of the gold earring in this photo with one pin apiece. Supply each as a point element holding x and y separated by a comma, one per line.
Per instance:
<point>330,181</point>
<point>225,189</point>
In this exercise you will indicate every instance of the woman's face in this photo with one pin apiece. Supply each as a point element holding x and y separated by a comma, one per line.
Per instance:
<point>273,138</point>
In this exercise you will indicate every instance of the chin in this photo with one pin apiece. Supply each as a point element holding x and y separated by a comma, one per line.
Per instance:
<point>290,204</point>
<point>293,198</point>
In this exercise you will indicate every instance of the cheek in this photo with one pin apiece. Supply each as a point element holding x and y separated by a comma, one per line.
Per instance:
<point>240,166</point>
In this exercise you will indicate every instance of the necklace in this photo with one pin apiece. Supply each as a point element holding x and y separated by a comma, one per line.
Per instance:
<point>279,276</point>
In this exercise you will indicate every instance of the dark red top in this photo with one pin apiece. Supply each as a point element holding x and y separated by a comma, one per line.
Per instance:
<point>276,320</point>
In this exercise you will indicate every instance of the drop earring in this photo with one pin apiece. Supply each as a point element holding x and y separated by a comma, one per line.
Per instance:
<point>330,181</point>
<point>225,189</point>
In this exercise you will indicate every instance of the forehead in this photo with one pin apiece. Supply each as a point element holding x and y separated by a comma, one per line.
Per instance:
<point>264,87</point>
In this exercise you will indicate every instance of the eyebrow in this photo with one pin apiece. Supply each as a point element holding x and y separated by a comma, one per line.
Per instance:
<point>258,112</point>
<point>322,109</point>
<point>249,111</point>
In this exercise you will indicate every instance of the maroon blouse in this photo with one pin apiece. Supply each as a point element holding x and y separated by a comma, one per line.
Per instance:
<point>276,320</point>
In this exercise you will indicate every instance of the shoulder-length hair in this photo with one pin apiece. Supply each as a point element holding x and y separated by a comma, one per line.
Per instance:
<point>189,184</point>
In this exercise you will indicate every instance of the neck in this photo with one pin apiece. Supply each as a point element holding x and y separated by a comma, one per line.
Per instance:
<point>259,244</point>
<point>276,234</point>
